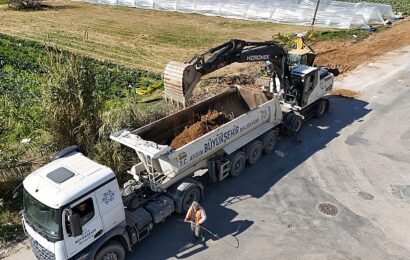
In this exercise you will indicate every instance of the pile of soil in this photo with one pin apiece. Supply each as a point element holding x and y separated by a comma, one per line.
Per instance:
<point>241,79</point>
<point>212,120</point>
<point>346,93</point>
<point>348,55</point>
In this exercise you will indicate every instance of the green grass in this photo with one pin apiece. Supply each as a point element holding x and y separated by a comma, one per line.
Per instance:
<point>3,2</point>
<point>325,35</point>
<point>27,111</point>
<point>398,5</point>
<point>341,35</point>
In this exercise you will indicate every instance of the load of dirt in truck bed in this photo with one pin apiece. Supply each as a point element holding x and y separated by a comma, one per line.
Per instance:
<point>212,120</point>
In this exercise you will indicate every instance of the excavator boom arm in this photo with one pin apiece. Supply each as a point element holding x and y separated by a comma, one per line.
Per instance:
<point>180,79</point>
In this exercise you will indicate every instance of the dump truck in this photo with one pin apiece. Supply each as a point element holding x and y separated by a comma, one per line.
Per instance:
<point>74,207</point>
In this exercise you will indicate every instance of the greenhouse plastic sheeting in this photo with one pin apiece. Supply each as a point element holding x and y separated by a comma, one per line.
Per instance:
<point>332,14</point>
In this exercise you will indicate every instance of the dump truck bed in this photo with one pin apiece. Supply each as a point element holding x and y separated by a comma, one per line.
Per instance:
<point>248,110</point>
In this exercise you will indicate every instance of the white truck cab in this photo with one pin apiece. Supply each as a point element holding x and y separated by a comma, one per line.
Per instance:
<point>73,185</point>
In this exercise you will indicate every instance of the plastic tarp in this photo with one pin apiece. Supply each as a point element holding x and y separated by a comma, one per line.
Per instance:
<point>334,14</point>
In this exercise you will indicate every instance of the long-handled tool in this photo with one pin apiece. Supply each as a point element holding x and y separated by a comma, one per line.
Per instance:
<point>215,235</point>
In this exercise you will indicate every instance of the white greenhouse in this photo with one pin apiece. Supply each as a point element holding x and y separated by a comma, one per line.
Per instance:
<point>332,14</point>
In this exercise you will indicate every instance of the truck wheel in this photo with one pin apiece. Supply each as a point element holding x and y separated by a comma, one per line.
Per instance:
<point>269,142</point>
<point>191,195</point>
<point>113,250</point>
<point>254,152</point>
<point>296,123</point>
<point>238,161</point>
<point>320,108</point>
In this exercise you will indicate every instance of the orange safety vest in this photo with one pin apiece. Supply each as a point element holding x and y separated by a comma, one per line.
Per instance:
<point>197,215</point>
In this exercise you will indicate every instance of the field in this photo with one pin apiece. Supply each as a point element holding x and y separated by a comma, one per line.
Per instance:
<point>143,39</point>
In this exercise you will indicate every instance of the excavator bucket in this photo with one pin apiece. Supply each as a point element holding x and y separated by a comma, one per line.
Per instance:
<point>179,82</point>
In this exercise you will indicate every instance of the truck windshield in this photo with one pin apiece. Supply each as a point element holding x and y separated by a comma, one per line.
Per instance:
<point>40,215</point>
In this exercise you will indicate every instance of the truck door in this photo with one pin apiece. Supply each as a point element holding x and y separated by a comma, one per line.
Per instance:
<point>311,83</point>
<point>91,224</point>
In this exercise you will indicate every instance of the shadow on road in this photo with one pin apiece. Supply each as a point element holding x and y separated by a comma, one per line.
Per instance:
<point>173,237</point>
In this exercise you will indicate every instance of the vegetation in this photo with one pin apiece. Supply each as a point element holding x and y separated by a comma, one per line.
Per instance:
<point>51,99</point>
<point>2,2</point>
<point>137,38</point>
<point>324,35</point>
<point>26,4</point>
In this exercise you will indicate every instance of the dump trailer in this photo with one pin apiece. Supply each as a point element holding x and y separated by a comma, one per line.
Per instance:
<point>75,209</point>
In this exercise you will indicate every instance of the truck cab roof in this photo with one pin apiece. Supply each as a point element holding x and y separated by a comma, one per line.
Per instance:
<point>64,180</point>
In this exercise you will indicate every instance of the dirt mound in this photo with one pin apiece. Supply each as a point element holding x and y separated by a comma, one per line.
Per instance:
<point>206,123</point>
<point>241,79</point>
<point>346,56</point>
<point>346,93</point>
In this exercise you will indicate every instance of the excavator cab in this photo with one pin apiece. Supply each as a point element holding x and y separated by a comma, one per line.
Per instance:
<point>307,84</point>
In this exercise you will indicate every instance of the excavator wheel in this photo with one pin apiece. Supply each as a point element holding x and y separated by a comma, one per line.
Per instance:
<point>296,123</point>
<point>320,108</point>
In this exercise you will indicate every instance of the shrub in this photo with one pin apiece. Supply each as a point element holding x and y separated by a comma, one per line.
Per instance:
<point>26,4</point>
<point>75,105</point>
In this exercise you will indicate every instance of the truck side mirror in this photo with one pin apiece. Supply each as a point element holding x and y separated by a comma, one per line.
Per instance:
<point>75,224</point>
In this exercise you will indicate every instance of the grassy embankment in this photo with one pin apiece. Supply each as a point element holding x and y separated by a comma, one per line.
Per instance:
<point>55,99</point>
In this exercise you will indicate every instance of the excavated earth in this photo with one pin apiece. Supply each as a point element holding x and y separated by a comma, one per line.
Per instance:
<point>348,55</point>
<point>212,120</point>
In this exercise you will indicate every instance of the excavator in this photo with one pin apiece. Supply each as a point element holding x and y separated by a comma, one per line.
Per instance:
<point>298,85</point>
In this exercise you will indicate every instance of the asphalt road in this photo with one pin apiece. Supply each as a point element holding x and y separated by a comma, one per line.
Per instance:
<point>356,157</point>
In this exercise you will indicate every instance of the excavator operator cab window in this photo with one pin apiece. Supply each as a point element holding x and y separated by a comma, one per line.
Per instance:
<point>294,59</point>
<point>294,93</point>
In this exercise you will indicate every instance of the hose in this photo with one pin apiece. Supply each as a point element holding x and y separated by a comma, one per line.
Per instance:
<point>215,235</point>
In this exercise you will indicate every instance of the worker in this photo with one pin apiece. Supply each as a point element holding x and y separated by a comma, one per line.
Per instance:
<point>85,212</point>
<point>196,216</point>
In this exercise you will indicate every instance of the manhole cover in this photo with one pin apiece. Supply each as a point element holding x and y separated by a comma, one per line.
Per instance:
<point>328,209</point>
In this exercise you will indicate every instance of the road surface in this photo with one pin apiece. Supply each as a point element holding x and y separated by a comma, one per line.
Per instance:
<point>356,157</point>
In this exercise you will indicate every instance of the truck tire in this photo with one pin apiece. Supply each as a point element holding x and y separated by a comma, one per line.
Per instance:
<point>111,250</point>
<point>269,141</point>
<point>320,108</point>
<point>238,161</point>
<point>254,151</point>
<point>191,195</point>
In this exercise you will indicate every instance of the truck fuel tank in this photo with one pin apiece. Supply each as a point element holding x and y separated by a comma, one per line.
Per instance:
<point>161,208</point>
